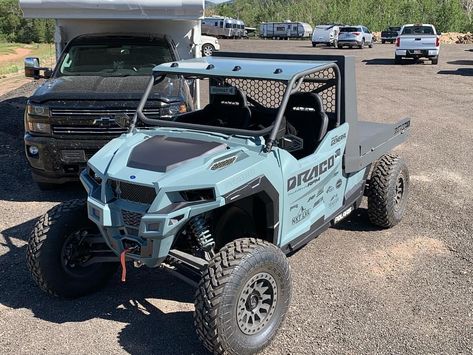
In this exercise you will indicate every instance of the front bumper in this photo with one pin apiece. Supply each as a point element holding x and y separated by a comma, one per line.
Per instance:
<point>418,53</point>
<point>59,160</point>
<point>151,247</point>
<point>125,224</point>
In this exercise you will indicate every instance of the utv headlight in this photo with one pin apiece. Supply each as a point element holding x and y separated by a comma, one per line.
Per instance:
<point>173,110</point>
<point>94,176</point>
<point>203,195</point>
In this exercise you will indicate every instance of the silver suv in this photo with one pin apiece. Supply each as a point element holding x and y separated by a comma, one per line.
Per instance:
<point>355,36</point>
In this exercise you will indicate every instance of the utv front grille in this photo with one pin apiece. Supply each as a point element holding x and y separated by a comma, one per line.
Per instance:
<point>134,193</point>
<point>132,219</point>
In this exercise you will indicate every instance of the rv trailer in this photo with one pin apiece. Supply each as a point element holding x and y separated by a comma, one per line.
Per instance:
<point>285,30</point>
<point>223,27</point>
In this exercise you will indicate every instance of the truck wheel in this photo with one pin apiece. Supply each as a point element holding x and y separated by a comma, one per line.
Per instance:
<point>383,41</point>
<point>388,191</point>
<point>314,44</point>
<point>397,59</point>
<point>58,248</point>
<point>371,44</point>
<point>243,297</point>
<point>207,50</point>
<point>362,44</point>
<point>435,60</point>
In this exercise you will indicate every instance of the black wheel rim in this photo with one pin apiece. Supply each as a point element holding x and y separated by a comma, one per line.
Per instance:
<point>76,252</point>
<point>399,193</point>
<point>257,303</point>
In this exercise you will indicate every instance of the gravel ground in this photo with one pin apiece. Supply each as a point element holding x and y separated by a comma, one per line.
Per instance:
<point>356,289</point>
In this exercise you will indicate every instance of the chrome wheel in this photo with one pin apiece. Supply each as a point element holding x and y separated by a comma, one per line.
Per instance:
<point>207,50</point>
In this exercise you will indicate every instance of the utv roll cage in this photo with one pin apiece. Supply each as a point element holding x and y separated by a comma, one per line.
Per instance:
<point>241,66</point>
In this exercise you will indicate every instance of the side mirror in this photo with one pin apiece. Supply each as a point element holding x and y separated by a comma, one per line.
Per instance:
<point>32,67</point>
<point>439,33</point>
<point>48,73</point>
<point>123,120</point>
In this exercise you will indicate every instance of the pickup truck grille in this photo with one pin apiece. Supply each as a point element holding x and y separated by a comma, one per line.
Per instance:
<point>77,130</point>
<point>92,122</point>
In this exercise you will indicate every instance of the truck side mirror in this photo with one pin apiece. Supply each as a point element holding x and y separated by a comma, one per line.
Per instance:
<point>123,120</point>
<point>48,73</point>
<point>32,67</point>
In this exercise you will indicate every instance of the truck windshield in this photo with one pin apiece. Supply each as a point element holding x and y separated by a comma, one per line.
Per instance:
<point>418,30</point>
<point>114,58</point>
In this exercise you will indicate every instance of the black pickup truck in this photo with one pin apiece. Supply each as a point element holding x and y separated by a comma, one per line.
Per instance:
<point>390,34</point>
<point>97,78</point>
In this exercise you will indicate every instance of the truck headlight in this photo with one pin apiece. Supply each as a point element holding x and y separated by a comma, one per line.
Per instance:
<point>34,115</point>
<point>37,110</point>
<point>173,110</point>
<point>38,127</point>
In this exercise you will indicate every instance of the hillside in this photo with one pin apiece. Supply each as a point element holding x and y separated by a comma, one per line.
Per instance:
<point>447,15</point>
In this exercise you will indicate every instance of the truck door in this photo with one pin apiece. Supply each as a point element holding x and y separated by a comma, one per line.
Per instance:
<point>314,186</point>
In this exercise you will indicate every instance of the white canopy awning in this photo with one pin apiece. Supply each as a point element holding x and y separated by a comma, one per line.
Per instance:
<point>114,9</point>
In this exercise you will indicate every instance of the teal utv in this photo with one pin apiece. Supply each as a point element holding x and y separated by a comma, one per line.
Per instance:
<point>223,194</point>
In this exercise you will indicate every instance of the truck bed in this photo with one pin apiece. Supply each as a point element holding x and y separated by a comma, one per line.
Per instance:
<point>377,139</point>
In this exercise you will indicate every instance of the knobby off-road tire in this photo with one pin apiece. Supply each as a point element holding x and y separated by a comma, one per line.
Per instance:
<point>243,297</point>
<point>388,191</point>
<point>57,247</point>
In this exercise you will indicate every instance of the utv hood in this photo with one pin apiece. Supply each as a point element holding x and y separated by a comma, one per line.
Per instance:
<point>162,154</point>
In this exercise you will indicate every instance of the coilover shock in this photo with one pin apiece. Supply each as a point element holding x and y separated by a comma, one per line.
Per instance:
<point>200,230</point>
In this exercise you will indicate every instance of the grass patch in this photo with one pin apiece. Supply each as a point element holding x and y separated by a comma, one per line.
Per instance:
<point>7,48</point>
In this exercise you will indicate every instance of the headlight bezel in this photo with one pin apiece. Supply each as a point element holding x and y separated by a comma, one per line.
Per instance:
<point>37,119</point>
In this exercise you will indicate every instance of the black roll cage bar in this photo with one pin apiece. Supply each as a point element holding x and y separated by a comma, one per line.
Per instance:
<point>293,86</point>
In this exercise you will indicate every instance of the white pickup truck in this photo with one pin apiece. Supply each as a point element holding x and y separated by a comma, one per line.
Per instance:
<point>417,41</point>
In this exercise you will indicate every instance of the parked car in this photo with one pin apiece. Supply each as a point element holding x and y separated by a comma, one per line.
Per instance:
<point>209,45</point>
<point>418,41</point>
<point>325,34</point>
<point>355,36</point>
<point>390,34</point>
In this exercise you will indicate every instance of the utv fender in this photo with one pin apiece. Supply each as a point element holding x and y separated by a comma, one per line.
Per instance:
<point>259,190</point>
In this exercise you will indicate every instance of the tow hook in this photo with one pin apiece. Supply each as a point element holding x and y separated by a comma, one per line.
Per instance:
<point>127,250</point>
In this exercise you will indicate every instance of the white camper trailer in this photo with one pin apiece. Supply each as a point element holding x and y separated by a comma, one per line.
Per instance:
<point>106,51</point>
<point>223,27</point>
<point>285,30</point>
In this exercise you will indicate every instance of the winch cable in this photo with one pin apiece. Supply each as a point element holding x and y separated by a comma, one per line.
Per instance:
<point>123,261</point>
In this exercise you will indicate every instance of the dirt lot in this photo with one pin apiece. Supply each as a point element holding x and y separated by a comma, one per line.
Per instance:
<point>357,290</point>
